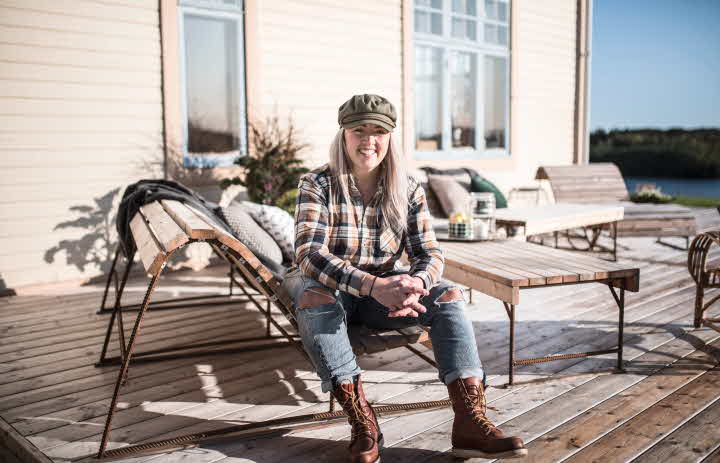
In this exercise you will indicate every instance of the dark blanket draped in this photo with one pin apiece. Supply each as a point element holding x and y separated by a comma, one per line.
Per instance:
<point>146,191</point>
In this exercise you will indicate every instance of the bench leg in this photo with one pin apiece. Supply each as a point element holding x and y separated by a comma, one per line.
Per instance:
<point>110,277</point>
<point>117,311</point>
<point>122,374</point>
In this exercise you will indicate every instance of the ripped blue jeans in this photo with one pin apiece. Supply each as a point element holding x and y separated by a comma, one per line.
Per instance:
<point>323,330</point>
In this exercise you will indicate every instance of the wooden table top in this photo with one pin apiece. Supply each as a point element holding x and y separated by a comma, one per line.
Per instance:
<point>501,268</point>
<point>557,217</point>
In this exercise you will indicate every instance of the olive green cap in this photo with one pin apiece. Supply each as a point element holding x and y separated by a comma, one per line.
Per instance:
<point>367,109</point>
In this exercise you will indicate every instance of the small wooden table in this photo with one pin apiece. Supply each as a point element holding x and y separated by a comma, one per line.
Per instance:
<point>502,268</point>
<point>554,218</point>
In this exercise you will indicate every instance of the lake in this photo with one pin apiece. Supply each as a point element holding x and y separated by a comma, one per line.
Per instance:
<point>702,188</point>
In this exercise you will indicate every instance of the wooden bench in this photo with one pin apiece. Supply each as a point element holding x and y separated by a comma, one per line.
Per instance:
<point>603,183</point>
<point>706,273</point>
<point>159,230</point>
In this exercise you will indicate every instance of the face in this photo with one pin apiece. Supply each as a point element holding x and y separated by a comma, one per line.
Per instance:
<point>367,146</point>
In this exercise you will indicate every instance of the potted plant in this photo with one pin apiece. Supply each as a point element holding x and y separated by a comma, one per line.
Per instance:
<point>272,170</point>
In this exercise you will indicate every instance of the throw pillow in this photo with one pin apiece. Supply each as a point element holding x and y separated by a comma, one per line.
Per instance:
<point>452,196</point>
<point>279,223</point>
<point>482,185</point>
<point>258,241</point>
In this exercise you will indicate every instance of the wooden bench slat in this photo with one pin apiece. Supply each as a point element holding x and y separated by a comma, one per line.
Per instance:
<point>168,233</point>
<point>194,226</point>
<point>151,254</point>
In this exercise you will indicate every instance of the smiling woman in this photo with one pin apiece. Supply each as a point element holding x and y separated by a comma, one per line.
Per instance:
<point>354,218</point>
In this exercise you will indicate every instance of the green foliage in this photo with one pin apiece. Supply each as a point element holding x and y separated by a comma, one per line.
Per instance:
<point>651,196</point>
<point>288,200</point>
<point>273,170</point>
<point>659,153</point>
<point>691,201</point>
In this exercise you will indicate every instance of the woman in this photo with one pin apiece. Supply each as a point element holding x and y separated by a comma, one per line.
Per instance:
<point>354,218</point>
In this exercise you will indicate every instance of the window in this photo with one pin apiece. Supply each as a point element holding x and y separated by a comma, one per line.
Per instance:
<point>213,82</point>
<point>461,78</point>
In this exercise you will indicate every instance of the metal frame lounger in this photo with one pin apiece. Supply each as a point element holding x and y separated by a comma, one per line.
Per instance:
<point>159,230</point>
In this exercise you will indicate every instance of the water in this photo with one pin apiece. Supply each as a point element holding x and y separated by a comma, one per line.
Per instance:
<point>702,188</point>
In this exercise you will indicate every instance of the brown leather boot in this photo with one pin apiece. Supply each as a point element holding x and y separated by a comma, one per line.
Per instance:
<point>366,437</point>
<point>473,434</point>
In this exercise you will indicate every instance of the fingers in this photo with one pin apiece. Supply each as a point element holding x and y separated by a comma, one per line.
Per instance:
<point>403,313</point>
<point>409,308</point>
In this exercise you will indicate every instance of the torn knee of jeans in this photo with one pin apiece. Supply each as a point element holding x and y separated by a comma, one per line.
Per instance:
<point>315,297</point>
<point>451,295</point>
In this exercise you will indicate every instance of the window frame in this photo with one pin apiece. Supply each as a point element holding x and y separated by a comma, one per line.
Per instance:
<point>221,11</point>
<point>448,44</point>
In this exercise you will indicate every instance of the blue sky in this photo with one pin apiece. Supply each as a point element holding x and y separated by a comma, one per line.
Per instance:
<point>655,63</point>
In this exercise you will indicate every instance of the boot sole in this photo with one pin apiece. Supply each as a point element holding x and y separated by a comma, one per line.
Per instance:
<point>472,453</point>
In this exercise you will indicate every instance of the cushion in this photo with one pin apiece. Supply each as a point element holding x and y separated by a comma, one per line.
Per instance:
<point>452,196</point>
<point>479,184</point>
<point>249,233</point>
<point>279,223</point>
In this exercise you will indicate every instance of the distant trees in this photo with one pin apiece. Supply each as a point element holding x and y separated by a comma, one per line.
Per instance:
<point>659,153</point>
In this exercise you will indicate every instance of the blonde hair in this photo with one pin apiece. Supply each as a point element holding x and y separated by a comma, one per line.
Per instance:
<point>393,177</point>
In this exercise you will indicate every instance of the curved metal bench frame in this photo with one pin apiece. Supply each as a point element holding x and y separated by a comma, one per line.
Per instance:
<point>162,228</point>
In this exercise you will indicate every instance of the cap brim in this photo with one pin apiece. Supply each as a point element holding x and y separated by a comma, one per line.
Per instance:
<point>383,124</point>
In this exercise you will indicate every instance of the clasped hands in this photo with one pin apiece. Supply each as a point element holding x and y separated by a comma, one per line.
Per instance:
<point>400,294</point>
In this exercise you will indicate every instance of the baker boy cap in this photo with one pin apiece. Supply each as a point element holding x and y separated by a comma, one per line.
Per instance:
<point>367,109</point>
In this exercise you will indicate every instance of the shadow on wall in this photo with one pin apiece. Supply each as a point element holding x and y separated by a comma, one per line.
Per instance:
<point>94,251</point>
<point>95,248</point>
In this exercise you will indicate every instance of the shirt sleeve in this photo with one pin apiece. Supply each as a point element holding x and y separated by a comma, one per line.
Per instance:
<point>426,258</point>
<point>312,255</point>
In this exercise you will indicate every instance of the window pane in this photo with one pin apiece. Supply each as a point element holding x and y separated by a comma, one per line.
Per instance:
<point>490,9</point>
<point>495,101</point>
<point>463,29</point>
<point>491,33</point>
<point>428,98</point>
<point>437,4</point>
<point>471,30</point>
<point>502,9</point>
<point>502,35</point>
<point>463,75</point>
<point>428,23</point>
<point>213,86</point>
<point>467,7</point>
<point>458,28</point>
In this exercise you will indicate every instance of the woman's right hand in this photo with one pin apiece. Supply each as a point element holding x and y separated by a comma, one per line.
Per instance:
<point>400,294</point>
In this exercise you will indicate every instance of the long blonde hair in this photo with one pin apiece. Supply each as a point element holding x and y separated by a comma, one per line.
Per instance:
<point>393,177</point>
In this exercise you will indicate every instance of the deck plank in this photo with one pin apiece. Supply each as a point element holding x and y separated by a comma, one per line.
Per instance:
<point>695,439</point>
<point>627,441</point>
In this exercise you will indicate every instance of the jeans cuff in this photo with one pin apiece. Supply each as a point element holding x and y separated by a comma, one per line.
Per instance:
<point>465,373</point>
<point>328,385</point>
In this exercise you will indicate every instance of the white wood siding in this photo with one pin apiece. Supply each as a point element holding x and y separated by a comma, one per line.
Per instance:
<point>543,79</point>
<point>315,54</point>
<point>80,115</point>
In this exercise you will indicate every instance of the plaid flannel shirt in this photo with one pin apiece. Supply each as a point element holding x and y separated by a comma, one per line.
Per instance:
<point>341,242</point>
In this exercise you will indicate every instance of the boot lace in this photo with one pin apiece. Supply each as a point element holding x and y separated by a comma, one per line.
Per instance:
<point>361,424</point>
<point>476,404</point>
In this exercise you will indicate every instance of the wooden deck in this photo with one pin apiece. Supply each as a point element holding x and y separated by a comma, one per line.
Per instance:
<point>666,407</point>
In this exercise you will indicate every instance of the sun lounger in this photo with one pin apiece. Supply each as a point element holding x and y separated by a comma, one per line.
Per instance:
<point>603,183</point>
<point>162,228</point>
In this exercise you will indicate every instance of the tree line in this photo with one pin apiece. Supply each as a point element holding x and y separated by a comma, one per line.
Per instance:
<point>659,153</point>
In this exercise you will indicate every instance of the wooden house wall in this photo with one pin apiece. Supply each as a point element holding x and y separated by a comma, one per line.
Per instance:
<point>80,116</point>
